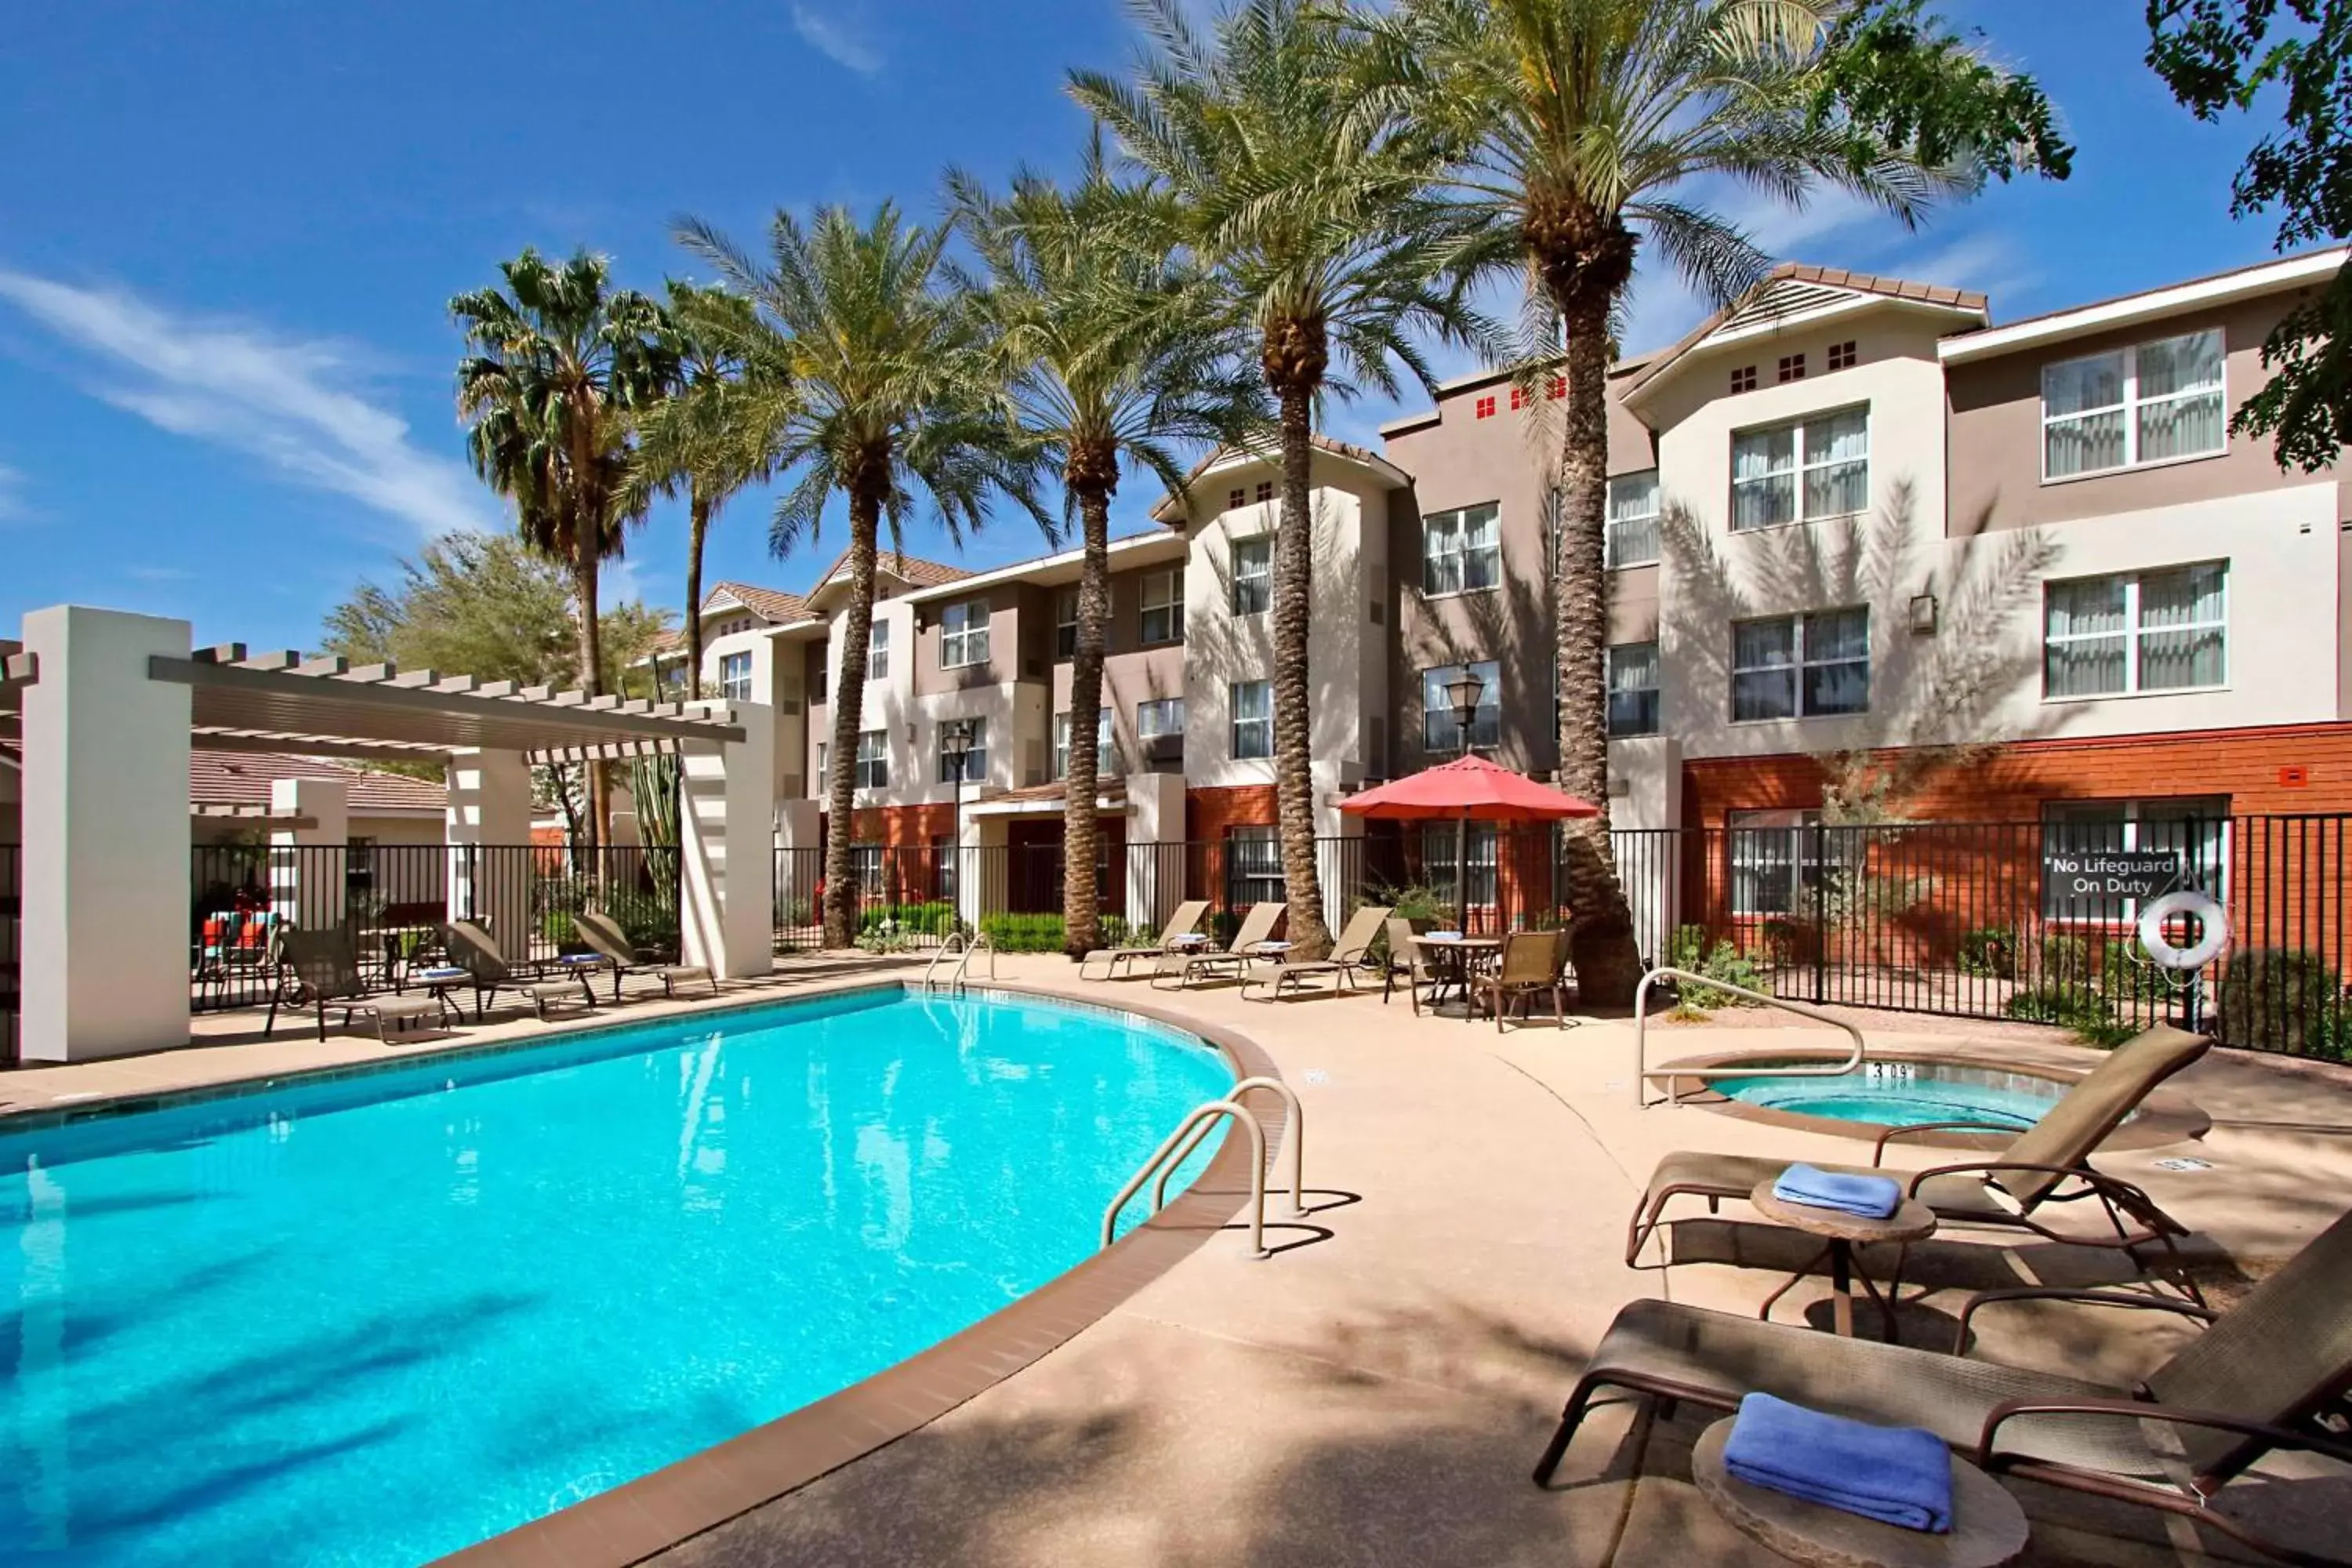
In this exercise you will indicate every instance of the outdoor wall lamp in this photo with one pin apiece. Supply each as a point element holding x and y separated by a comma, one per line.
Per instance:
<point>1464,691</point>
<point>1923,614</point>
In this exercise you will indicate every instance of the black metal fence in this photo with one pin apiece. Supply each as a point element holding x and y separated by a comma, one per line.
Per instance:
<point>1975,920</point>
<point>12,950</point>
<point>395,899</point>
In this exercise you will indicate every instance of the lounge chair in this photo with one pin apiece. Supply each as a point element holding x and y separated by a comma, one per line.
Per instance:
<point>1406,958</point>
<point>1348,955</point>
<point>603,933</point>
<point>473,950</point>
<point>2262,1377</point>
<point>321,969</point>
<point>2047,1163</point>
<point>1183,923</point>
<point>1257,927</point>
<point>1531,963</point>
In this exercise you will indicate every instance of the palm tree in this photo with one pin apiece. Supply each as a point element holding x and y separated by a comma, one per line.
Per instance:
<point>1116,356</point>
<point>883,384</point>
<point>1582,130</point>
<point>695,439</point>
<point>1318,223</point>
<point>561,363</point>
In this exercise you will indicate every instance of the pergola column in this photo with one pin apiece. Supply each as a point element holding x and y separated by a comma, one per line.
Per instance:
<point>309,880</point>
<point>489,836</point>
<point>726,832</point>
<point>105,928</point>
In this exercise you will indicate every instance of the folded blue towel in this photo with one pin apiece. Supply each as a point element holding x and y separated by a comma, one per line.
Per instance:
<point>1897,1474</point>
<point>1872,1197</point>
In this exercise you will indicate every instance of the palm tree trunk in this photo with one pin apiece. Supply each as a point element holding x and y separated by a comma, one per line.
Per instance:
<point>1081,901</point>
<point>1294,591</point>
<point>848,716</point>
<point>591,682</point>
<point>697,523</point>
<point>1608,961</point>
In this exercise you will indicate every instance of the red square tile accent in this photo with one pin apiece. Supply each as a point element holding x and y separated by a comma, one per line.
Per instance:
<point>1559,387</point>
<point>1792,367</point>
<point>1266,489</point>
<point>1486,408</point>
<point>1518,399</point>
<point>1744,379</point>
<point>1843,356</point>
<point>1234,499</point>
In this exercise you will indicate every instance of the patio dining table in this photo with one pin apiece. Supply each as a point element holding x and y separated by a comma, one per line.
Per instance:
<point>1460,957</point>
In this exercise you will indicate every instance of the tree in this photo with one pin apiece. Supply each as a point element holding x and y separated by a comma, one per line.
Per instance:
<point>693,438</point>
<point>1577,129</point>
<point>1319,222</point>
<point>886,387</point>
<point>1116,356</point>
<point>561,363</point>
<point>2220,55</point>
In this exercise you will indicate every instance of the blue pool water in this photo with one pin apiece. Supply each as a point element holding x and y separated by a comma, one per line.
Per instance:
<point>1894,1094</point>
<point>371,1321</point>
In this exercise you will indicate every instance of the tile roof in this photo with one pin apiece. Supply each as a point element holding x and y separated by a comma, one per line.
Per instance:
<point>1105,789</point>
<point>773,605</point>
<point>1167,511</point>
<point>913,569</point>
<point>1802,274</point>
<point>242,778</point>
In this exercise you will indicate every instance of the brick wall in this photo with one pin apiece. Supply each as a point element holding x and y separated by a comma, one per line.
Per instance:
<point>1209,812</point>
<point>903,826</point>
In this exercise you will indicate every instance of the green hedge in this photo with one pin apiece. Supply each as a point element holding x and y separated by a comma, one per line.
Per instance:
<point>934,918</point>
<point>1041,933</point>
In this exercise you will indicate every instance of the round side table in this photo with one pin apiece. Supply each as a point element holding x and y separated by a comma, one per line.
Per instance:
<point>1911,1221</point>
<point>1988,1528</point>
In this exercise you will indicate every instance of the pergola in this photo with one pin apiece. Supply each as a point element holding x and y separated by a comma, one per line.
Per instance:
<point>108,706</point>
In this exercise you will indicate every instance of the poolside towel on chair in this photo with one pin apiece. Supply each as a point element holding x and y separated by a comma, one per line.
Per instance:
<point>1872,1197</point>
<point>1897,1474</point>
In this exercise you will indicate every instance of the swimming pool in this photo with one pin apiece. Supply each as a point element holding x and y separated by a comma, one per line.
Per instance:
<point>1905,1093</point>
<point>372,1320</point>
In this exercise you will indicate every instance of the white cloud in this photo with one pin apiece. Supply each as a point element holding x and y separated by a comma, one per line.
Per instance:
<point>1987,262</point>
<point>287,402</point>
<point>828,37</point>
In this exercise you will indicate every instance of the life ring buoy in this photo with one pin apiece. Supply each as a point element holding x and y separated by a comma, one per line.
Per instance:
<point>2211,918</point>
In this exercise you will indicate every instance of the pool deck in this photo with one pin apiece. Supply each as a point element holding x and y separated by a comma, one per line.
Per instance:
<point>1377,1392</point>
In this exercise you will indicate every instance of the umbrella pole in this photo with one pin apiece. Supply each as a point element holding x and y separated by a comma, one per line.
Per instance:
<point>1462,870</point>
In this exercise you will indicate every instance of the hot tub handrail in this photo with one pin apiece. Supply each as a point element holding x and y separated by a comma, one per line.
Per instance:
<point>1643,1072</point>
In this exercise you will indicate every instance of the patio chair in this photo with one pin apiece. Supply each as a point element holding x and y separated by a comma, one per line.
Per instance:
<point>1406,958</point>
<point>2263,1377</point>
<point>473,950</point>
<point>1531,964</point>
<point>1183,923</point>
<point>1257,927</point>
<point>1348,955</point>
<point>2048,1163</point>
<point>321,969</point>
<point>603,933</point>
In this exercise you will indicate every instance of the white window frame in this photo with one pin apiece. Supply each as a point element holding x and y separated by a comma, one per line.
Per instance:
<point>1257,869</point>
<point>976,761</point>
<point>1151,710</point>
<point>1655,692</point>
<point>1761,844</point>
<point>877,651</point>
<point>2131,406</point>
<point>2133,633</point>
<point>1258,723</point>
<point>873,763</point>
<point>1802,665</point>
<point>1065,623</point>
<point>1485,724</point>
<point>1105,745</point>
<point>1447,556</point>
<point>1802,465</point>
<point>735,676</point>
<point>1259,580</point>
<point>963,635</point>
<point>1631,536</point>
<point>1169,585</point>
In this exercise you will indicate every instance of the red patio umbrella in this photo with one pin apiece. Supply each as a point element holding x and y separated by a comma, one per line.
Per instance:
<point>1465,790</point>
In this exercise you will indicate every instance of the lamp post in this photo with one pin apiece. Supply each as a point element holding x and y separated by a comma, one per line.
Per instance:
<point>1464,691</point>
<point>955,745</point>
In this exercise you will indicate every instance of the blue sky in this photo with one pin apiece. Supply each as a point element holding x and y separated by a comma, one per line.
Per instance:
<point>229,236</point>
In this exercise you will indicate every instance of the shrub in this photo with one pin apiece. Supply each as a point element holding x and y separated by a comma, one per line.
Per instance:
<point>1041,932</point>
<point>2283,999</point>
<point>1688,950</point>
<point>2084,1011</point>
<point>2064,963</point>
<point>1989,952</point>
<point>1414,901</point>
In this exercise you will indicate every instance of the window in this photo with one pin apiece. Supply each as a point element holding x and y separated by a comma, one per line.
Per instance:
<point>1065,623</point>
<point>818,679</point>
<point>1106,748</point>
<point>943,856</point>
<point>735,676</point>
<point>1441,858</point>
<point>1460,551</point>
<point>2147,404</point>
<point>976,761</point>
<point>1809,667</point>
<point>878,652</point>
<point>1800,473</point>
<point>1779,857</point>
<point>1792,367</point>
<point>874,758</point>
<point>1843,356</point>
<point>1266,489</point>
<point>1486,408</point>
<point>2152,631</point>
<point>1252,867</point>
<point>359,863</point>
<point>1161,716</point>
<point>1439,732</point>
<point>1632,688</point>
<point>1235,498</point>
<point>1744,379</point>
<point>866,866</point>
<point>2197,827</point>
<point>822,750</point>
<point>1632,535</point>
<point>963,635</point>
<point>1252,576</point>
<point>1253,704</point>
<point>1163,607</point>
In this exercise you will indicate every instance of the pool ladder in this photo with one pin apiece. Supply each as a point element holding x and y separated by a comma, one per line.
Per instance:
<point>1643,1072</point>
<point>962,948</point>
<point>1195,1130</point>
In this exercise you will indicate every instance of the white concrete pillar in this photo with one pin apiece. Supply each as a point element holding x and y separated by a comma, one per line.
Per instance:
<point>1339,866</point>
<point>489,836</point>
<point>105,932</point>
<point>727,831</point>
<point>984,862</point>
<point>308,881</point>
<point>1645,813</point>
<point>1155,849</point>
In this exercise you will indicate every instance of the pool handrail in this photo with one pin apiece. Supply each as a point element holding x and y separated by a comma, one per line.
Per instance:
<point>1206,1112</point>
<point>956,942</point>
<point>1296,1148</point>
<point>1643,1072</point>
<point>980,942</point>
